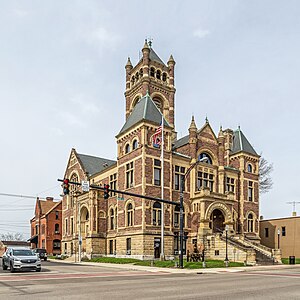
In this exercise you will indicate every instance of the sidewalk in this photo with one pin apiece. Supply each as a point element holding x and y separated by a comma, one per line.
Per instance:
<point>177,270</point>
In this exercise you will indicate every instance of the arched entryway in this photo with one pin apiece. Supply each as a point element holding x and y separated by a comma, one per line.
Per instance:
<point>217,221</point>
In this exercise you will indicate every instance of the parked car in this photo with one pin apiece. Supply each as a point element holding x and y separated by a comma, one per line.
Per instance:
<point>41,253</point>
<point>20,259</point>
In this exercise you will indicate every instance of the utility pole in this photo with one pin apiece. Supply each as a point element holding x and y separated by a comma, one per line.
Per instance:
<point>294,214</point>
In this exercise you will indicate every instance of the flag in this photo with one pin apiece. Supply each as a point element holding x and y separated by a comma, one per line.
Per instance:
<point>156,137</point>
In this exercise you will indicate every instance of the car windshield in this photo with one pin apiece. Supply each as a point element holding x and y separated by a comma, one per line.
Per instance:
<point>22,252</point>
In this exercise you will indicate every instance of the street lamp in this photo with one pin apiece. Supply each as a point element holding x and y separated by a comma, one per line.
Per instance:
<point>183,178</point>
<point>226,236</point>
<point>278,235</point>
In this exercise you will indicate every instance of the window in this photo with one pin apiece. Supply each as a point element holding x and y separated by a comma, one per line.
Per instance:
<point>111,246</point>
<point>56,215</point>
<point>229,184</point>
<point>132,80</point>
<point>66,248</point>
<point>56,228</point>
<point>73,187</point>
<point>164,77</point>
<point>43,229</point>
<point>177,216</point>
<point>250,191</point>
<point>141,72</point>
<point>217,252</point>
<point>128,246</point>
<point>137,76</point>
<point>113,183</point>
<point>116,218</point>
<point>129,215</point>
<point>178,177</point>
<point>205,179</point>
<point>72,225</point>
<point>56,244</point>
<point>152,72</point>
<point>156,213</point>
<point>283,232</point>
<point>249,168</point>
<point>127,148</point>
<point>266,232</point>
<point>129,175</point>
<point>66,226</point>
<point>250,223</point>
<point>112,219</point>
<point>157,172</point>
<point>202,155</point>
<point>158,74</point>
<point>134,144</point>
<point>158,103</point>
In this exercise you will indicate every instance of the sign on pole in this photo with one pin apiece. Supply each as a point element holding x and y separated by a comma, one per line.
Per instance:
<point>85,185</point>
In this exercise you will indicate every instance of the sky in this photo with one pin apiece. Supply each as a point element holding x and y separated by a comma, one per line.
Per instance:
<point>62,83</point>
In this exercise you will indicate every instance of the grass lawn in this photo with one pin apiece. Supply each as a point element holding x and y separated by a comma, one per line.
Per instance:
<point>164,264</point>
<point>286,261</point>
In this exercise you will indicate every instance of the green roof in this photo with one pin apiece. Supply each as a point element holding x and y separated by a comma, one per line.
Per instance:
<point>145,110</point>
<point>241,144</point>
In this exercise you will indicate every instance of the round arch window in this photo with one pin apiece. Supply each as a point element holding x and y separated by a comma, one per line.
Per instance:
<point>207,156</point>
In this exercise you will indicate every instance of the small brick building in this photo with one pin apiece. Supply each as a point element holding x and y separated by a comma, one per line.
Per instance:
<point>46,226</point>
<point>221,191</point>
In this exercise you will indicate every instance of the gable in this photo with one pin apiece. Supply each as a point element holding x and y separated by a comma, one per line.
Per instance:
<point>206,133</point>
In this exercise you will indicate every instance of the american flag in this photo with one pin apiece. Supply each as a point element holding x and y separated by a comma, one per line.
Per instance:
<point>156,137</point>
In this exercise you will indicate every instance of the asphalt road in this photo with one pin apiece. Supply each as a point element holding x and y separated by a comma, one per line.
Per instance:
<point>73,281</point>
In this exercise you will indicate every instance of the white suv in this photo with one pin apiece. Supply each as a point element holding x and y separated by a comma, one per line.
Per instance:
<point>20,259</point>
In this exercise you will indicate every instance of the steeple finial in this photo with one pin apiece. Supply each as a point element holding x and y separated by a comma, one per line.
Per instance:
<point>206,119</point>
<point>128,64</point>
<point>193,124</point>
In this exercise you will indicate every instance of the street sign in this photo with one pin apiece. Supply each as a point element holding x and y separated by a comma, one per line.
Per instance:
<point>85,185</point>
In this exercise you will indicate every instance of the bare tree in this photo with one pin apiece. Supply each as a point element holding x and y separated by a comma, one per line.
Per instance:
<point>12,236</point>
<point>265,179</point>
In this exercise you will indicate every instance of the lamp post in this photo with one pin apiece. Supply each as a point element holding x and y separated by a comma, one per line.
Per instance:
<point>226,240</point>
<point>278,235</point>
<point>183,178</point>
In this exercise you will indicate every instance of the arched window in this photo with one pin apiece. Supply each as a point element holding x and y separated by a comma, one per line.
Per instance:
<point>152,72</point>
<point>127,148</point>
<point>87,216</point>
<point>158,103</point>
<point>134,144</point>
<point>137,76</point>
<point>177,216</point>
<point>208,160</point>
<point>116,218</point>
<point>250,222</point>
<point>129,215</point>
<point>112,219</point>
<point>156,213</point>
<point>158,74</point>
<point>249,168</point>
<point>132,80</point>
<point>56,228</point>
<point>164,76</point>
<point>141,72</point>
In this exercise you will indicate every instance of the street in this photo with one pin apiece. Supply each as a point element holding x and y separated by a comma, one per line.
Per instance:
<point>73,281</point>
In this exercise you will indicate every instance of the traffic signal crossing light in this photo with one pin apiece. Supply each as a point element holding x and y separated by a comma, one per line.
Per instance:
<point>106,191</point>
<point>66,187</point>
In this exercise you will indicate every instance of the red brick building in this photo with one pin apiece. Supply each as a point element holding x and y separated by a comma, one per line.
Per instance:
<point>221,191</point>
<point>46,226</point>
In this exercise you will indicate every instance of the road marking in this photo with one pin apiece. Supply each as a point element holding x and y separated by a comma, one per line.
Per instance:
<point>271,274</point>
<point>75,275</point>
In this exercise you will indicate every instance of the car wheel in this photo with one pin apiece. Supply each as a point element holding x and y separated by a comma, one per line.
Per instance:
<point>45,259</point>
<point>38,270</point>
<point>12,269</point>
<point>4,267</point>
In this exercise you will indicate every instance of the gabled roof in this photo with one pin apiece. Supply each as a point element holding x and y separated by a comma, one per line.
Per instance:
<point>46,205</point>
<point>154,57</point>
<point>145,110</point>
<point>241,144</point>
<point>93,164</point>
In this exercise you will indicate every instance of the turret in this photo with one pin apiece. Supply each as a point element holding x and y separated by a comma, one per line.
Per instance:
<point>128,68</point>
<point>193,138</point>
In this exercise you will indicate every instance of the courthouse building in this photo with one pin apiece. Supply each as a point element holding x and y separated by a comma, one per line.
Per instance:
<point>221,191</point>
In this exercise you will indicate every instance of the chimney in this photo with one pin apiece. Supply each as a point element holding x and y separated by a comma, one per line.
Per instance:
<point>49,198</point>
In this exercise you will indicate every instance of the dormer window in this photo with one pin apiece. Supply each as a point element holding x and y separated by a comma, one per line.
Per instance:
<point>205,155</point>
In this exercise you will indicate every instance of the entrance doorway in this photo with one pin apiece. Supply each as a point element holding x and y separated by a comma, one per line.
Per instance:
<point>157,247</point>
<point>217,220</point>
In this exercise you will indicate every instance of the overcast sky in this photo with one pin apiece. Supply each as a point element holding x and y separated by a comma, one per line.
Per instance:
<point>62,83</point>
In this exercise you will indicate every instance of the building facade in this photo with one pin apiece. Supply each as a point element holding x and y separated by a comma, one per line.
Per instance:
<point>221,191</point>
<point>46,226</point>
<point>283,234</point>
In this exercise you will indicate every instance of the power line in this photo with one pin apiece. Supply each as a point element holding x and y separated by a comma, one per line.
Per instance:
<point>24,196</point>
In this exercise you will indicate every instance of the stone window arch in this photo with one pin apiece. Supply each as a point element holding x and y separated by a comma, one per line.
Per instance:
<point>249,168</point>
<point>158,102</point>
<point>132,80</point>
<point>141,72</point>
<point>156,217</point>
<point>205,155</point>
<point>127,148</point>
<point>250,222</point>
<point>137,76</point>
<point>152,72</point>
<point>158,74</point>
<point>129,214</point>
<point>164,76</point>
<point>134,144</point>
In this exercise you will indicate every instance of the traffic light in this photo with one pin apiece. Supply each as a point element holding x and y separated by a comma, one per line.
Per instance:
<point>106,191</point>
<point>66,187</point>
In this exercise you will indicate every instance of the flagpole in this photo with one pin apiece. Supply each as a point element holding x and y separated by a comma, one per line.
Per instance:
<point>162,255</point>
